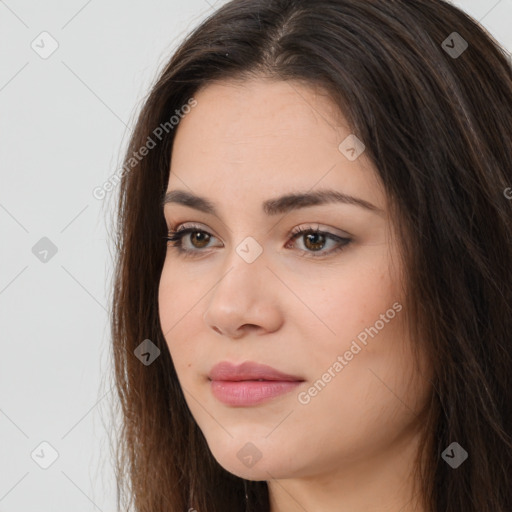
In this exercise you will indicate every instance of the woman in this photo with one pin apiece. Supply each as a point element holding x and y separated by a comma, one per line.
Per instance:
<point>312,300</point>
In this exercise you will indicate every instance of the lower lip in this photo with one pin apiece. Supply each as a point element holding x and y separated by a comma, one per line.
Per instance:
<point>250,392</point>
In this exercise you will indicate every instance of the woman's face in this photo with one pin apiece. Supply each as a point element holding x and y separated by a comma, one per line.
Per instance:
<point>325,309</point>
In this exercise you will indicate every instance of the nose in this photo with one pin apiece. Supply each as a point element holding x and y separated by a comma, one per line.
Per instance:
<point>245,300</point>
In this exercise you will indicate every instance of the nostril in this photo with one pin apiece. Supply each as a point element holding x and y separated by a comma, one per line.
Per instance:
<point>250,327</point>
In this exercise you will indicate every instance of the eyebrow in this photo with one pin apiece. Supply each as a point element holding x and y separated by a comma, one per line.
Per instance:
<point>280,205</point>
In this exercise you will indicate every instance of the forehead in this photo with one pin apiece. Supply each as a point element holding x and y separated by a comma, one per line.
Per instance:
<point>263,135</point>
<point>261,113</point>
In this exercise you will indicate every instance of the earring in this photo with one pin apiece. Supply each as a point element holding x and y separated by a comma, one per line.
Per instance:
<point>246,497</point>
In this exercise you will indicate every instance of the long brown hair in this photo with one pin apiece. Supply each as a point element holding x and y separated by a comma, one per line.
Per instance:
<point>436,118</point>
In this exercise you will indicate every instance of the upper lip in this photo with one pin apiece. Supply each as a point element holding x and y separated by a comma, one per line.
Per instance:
<point>248,371</point>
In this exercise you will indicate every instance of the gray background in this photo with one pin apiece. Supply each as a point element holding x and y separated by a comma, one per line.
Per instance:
<point>64,120</point>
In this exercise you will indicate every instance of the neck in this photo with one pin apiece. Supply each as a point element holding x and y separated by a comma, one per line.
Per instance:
<point>382,483</point>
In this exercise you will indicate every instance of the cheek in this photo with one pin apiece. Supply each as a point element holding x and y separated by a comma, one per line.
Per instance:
<point>179,296</point>
<point>178,310</point>
<point>354,297</point>
<point>363,308</point>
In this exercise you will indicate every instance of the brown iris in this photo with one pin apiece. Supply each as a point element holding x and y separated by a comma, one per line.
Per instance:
<point>203,238</point>
<point>311,237</point>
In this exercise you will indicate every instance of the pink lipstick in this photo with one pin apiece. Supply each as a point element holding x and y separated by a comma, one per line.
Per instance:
<point>249,383</point>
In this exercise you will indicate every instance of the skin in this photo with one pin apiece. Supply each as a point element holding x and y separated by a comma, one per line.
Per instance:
<point>352,446</point>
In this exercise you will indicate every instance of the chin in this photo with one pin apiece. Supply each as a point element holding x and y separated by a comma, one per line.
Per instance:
<point>249,460</point>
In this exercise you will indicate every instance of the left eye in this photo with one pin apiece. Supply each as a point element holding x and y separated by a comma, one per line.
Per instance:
<point>314,241</point>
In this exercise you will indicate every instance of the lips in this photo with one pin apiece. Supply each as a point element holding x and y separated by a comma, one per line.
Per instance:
<point>249,384</point>
<point>249,371</point>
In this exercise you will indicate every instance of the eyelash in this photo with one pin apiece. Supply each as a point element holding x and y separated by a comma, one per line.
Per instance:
<point>174,239</point>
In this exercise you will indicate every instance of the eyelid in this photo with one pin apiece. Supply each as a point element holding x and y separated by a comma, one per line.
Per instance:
<point>192,225</point>
<point>315,226</point>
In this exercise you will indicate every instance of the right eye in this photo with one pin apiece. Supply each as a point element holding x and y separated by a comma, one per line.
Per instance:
<point>196,242</point>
